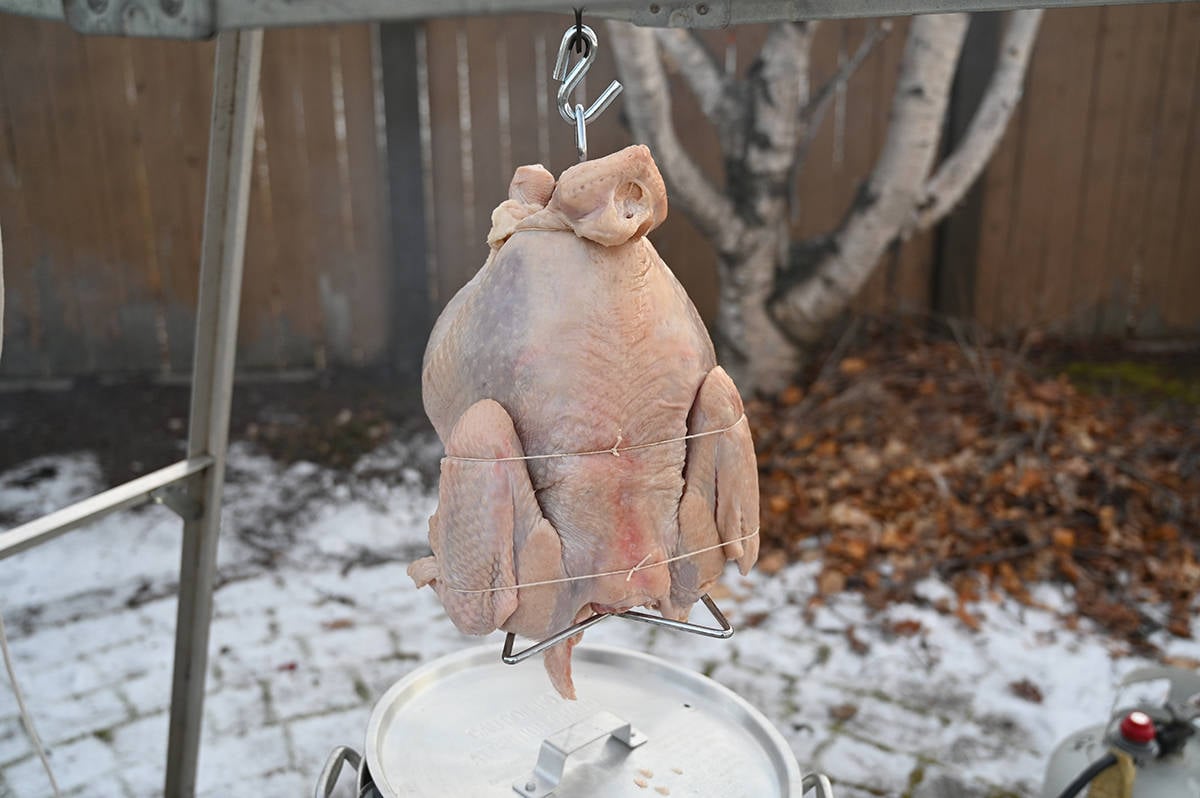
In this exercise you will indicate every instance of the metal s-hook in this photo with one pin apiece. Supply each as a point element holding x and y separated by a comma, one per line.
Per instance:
<point>570,78</point>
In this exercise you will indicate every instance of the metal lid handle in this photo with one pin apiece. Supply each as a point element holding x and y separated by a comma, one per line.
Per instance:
<point>818,782</point>
<point>552,758</point>
<point>333,768</point>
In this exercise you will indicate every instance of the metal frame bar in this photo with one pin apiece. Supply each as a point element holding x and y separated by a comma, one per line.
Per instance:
<point>723,630</point>
<point>130,494</point>
<point>202,18</point>
<point>231,148</point>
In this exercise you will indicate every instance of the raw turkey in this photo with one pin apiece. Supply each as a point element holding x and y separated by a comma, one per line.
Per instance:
<point>575,337</point>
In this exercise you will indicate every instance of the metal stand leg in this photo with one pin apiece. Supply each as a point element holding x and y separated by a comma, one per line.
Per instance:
<point>235,98</point>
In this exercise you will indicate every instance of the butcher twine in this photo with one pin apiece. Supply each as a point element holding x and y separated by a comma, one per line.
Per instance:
<point>615,450</point>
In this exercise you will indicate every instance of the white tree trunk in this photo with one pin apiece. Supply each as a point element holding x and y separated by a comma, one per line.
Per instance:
<point>821,291</point>
<point>963,167</point>
<point>752,347</point>
<point>748,222</point>
<point>647,104</point>
<point>760,170</point>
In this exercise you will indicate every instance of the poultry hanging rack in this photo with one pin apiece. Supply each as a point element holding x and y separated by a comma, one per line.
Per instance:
<point>723,630</point>
<point>575,114</point>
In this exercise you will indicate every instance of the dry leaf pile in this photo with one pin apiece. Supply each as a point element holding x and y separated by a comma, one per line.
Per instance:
<point>918,457</point>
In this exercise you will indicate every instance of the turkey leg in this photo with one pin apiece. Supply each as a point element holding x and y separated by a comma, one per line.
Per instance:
<point>489,534</point>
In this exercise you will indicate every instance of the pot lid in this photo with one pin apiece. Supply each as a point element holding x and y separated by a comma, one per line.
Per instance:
<point>468,726</point>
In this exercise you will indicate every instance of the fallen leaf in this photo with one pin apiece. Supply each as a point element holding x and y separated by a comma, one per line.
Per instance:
<point>905,628</point>
<point>1030,480</point>
<point>972,621</point>
<point>772,562</point>
<point>852,365</point>
<point>831,581</point>
<point>892,538</point>
<point>792,395</point>
<point>1180,627</point>
<point>1027,690</point>
<point>1063,538</point>
<point>1165,532</point>
<point>848,515</point>
<point>856,645</point>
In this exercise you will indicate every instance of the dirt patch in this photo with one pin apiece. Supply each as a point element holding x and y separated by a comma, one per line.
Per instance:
<point>137,426</point>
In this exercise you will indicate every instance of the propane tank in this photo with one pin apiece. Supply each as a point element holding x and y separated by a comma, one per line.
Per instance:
<point>1162,741</point>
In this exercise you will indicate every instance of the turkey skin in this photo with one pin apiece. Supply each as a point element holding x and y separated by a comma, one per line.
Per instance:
<point>546,377</point>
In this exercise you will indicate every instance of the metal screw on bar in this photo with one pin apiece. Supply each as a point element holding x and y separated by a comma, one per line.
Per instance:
<point>177,499</point>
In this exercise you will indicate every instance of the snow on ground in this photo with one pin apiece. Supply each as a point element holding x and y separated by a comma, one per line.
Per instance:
<point>315,617</point>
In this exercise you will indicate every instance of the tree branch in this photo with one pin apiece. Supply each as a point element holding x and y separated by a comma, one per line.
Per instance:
<point>648,108</point>
<point>962,167</point>
<point>776,90</point>
<point>813,113</point>
<point>699,68</point>
<point>805,302</point>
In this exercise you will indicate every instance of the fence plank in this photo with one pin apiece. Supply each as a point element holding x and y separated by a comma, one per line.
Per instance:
<point>448,191</point>
<point>491,185</point>
<point>1127,237</point>
<point>23,321</point>
<point>51,199</point>
<point>1074,36</point>
<point>1184,284</point>
<point>1102,151</point>
<point>328,192</point>
<point>411,307</point>
<point>520,47</point>
<point>164,183</point>
<point>1169,278</point>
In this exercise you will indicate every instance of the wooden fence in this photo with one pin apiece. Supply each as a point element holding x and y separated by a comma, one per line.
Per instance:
<point>1091,209</point>
<point>362,226</point>
<point>102,162</point>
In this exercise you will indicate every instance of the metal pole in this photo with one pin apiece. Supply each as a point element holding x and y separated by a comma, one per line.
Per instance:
<point>235,99</point>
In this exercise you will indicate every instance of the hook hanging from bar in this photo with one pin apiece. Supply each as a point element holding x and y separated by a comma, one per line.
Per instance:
<point>571,76</point>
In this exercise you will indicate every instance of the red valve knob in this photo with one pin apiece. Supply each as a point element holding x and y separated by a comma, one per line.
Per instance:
<point>1137,728</point>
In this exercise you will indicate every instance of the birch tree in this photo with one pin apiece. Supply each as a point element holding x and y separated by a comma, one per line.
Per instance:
<point>778,296</point>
